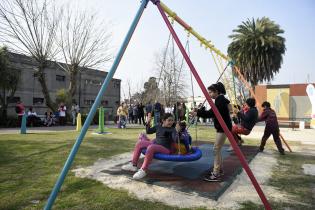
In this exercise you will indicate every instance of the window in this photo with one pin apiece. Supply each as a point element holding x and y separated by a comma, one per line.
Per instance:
<point>13,100</point>
<point>93,82</point>
<point>104,103</point>
<point>60,78</point>
<point>88,102</point>
<point>116,84</point>
<point>38,101</point>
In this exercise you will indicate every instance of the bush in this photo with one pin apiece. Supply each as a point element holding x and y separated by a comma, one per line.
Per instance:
<point>10,122</point>
<point>94,121</point>
<point>62,96</point>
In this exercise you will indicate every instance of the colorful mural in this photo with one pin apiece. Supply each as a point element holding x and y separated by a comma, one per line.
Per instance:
<point>279,99</point>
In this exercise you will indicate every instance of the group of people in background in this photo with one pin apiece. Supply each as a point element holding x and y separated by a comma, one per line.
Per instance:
<point>49,118</point>
<point>138,113</point>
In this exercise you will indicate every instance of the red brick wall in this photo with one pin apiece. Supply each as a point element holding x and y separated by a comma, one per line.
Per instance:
<point>298,90</point>
<point>261,93</point>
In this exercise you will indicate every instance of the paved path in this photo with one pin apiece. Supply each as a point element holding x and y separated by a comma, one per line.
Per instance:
<point>306,136</point>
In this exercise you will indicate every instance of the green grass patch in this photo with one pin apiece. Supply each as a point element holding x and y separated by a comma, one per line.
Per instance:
<point>30,165</point>
<point>288,177</point>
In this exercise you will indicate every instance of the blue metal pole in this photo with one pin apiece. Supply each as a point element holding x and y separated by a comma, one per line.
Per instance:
<point>23,124</point>
<point>92,112</point>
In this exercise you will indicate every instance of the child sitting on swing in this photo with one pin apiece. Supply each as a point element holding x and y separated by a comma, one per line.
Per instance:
<point>166,134</point>
<point>183,143</point>
<point>248,116</point>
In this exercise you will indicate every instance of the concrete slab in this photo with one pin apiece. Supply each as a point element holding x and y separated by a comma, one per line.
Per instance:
<point>309,169</point>
<point>241,189</point>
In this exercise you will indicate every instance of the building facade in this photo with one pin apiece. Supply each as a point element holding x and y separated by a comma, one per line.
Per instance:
<point>291,101</point>
<point>89,82</point>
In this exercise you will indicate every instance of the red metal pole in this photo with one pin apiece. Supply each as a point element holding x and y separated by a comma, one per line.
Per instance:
<point>215,110</point>
<point>285,142</point>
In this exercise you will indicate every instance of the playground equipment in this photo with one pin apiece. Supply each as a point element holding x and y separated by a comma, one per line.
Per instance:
<point>219,58</point>
<point>79,122</point>
<point>23,124</point>
<point>194,155</point>
<point>104,86</point>
<point>101,122</point>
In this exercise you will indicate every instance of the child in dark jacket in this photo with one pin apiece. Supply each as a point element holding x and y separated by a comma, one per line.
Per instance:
<point>166,134</point>
<point>272,128</point>
<point>184,144</point>
<point>248,117</point>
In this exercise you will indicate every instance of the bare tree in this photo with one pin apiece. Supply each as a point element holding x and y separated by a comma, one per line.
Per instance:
<point>29,27</point>
<point>170,70</point>
<point>83,42</point>
<point>241,93</point>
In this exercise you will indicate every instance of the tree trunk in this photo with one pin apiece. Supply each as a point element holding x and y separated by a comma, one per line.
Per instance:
<point>73,82</point>
<point>41,79</point>
<point>3,112</point>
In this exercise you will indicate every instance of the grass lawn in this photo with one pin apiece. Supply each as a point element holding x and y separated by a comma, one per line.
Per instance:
<point>30,165</point>
<point>288,176</point>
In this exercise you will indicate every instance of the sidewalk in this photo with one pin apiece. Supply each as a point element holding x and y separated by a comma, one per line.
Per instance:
<point>306,136</point>
<point>44,129</point>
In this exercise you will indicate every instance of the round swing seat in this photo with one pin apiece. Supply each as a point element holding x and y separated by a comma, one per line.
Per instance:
<point>195,155</point>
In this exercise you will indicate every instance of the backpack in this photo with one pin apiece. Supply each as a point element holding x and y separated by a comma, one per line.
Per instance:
<point>17,109</point>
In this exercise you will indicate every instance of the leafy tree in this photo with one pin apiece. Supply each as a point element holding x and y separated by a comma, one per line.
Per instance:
<point>9,78</point>
<point>62,96</point>
<point>147,94</point>
<point>258,49</point>
<point>151,90</point>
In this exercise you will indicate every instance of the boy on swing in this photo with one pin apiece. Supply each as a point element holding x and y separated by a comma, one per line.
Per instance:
<point>248,117</point>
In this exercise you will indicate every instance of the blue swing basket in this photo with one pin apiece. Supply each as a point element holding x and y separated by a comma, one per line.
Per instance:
<point>195,155</point>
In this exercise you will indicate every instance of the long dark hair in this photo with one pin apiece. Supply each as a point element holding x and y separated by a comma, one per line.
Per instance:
<point>167,115</point>
<point>221,88</point>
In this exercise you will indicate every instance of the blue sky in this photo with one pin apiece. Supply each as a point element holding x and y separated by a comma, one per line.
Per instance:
<point>214,20</point>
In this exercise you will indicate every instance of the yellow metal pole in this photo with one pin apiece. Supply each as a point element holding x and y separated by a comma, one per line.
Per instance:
<point>207,44</point>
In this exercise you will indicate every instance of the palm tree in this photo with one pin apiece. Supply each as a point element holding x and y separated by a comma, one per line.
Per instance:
<point>258,49</point>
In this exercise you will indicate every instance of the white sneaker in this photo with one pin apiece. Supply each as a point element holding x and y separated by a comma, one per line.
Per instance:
<point>140,174</point>
<point>129,167</point>
<point>230,149</point>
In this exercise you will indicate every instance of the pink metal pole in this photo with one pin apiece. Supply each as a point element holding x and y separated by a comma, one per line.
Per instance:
<point>215,110</point>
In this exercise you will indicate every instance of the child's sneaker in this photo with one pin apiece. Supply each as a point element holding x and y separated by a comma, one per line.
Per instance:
<point>240,142</point>
<point>221,172</point>
<point>212,177</point>
<point>140,174</point>
<point>129,167</point>
<point>230,149</point>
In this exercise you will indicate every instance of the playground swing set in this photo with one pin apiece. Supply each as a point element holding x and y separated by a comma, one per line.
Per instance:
<point>216,54</point>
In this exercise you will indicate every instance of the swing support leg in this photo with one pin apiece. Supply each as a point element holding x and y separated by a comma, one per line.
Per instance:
<point>285,142</point>
<point>92,112</point>
<point>215,110</point>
